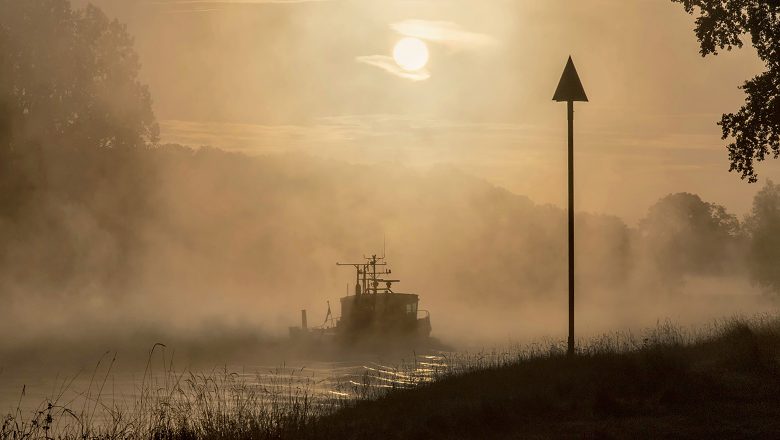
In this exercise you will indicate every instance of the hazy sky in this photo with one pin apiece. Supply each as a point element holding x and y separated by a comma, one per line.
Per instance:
<point>264,76</point>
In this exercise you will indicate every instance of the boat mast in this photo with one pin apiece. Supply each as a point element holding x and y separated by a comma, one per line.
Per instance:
<point>366,280</point>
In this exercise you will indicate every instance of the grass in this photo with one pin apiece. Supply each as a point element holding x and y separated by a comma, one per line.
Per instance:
<point>721,380</point>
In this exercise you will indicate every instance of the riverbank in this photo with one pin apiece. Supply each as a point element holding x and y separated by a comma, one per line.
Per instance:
<point>721,381</point>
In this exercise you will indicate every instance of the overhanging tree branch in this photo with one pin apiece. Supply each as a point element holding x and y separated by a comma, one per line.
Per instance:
<point>755,128</point>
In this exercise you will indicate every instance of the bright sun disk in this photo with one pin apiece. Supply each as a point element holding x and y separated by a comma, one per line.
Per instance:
<point>410,54</point>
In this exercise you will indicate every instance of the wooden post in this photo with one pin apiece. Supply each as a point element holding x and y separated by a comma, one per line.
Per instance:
<point>570,108</point>
<point>570,90</point>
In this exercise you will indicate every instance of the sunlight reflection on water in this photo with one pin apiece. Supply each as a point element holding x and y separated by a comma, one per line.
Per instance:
<point>27,392</point>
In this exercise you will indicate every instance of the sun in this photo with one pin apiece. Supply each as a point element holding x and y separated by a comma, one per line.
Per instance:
<point>410,53</point>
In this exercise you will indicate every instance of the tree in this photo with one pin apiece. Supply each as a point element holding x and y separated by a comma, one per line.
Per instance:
<point>687,235</point>
<point>763,225</point>
<point>72,75</point>
<point>75,127</point>
<point>69,88</point>
<point>755,128</point>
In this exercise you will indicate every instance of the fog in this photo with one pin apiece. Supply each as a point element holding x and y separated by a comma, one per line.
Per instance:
<point>226,243</point>
<point>110,238</point>
<point>272,77</point>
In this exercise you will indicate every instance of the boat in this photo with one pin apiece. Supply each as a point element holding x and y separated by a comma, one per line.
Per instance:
<point>376,313</point>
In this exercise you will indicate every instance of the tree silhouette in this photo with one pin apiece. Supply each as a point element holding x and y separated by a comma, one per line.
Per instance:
<point>763,224</point>
<point>687,235</point>
<point>68,84</point>
<point>755,128</point>
<point>72,75</point>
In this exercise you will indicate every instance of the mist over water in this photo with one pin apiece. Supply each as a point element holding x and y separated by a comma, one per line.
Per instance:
<point>191,190</point>
<point>232,247</point>
<point>110,240</point>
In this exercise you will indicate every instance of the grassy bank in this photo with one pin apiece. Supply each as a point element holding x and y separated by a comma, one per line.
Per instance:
<point>723,380</point>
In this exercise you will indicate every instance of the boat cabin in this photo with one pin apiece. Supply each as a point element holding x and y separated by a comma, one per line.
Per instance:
<point>374,310</point>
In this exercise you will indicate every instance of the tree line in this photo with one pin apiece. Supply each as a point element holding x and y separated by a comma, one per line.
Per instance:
<point>88,197</point>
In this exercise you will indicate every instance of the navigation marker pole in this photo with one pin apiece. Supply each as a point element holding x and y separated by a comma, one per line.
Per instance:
<point>570,90</point>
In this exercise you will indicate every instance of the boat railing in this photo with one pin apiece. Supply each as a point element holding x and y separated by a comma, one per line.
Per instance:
<point>332,322</point>
<point>425,314</point>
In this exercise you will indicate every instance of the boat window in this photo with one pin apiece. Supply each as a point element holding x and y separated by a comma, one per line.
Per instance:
<point>411,308</point>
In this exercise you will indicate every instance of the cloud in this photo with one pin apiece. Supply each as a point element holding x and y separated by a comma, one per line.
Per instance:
<point>422,139</point>
<point>418,138</point>
<point>228,2</point>
<point>211,5</point>
<point>440,32</point>
<point>443,32</point>
<point>176,11</point>
<point>389,65</point>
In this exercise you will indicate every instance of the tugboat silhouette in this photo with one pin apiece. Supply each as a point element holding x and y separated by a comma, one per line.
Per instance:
<point>375,315</point>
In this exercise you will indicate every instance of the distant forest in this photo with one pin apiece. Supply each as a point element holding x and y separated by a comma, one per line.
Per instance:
<point>93,206</point>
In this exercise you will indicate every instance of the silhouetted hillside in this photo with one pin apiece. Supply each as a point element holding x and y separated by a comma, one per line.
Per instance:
<point>205,232</point>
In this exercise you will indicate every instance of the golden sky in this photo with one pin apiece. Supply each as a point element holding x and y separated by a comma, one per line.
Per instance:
<point>267,76</point>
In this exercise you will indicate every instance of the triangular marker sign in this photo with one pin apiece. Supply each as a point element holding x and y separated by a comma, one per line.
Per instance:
<point>570,87</point>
